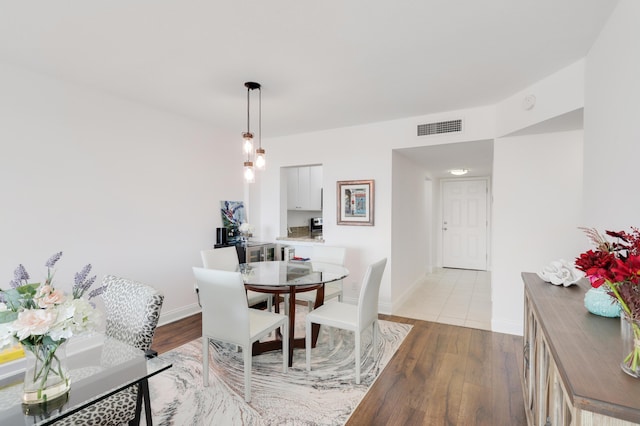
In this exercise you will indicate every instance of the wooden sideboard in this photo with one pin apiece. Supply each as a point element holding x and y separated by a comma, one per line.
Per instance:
<point>572,374</point>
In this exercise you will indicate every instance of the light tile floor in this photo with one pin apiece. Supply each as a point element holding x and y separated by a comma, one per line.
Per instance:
<point>452,296</point>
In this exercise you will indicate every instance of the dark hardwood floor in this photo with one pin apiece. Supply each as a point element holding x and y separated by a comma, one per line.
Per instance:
<point>440,375</point>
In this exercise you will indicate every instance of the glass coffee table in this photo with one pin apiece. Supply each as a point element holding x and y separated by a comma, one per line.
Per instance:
<point>99,367</point>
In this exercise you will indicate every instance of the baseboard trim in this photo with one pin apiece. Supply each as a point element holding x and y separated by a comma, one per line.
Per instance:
<point>507,327</point>
<point>178,314</point>
<point>186,311</point>
<point>383,308</point>
<point>407,294</point>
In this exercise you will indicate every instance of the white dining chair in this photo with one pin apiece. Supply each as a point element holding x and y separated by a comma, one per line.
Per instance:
<point>226,317</point>
<point>226,259</point>
<point>351,317</point>
<point>324,254</point>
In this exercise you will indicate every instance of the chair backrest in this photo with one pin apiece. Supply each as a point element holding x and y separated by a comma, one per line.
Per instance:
<point>225,258</point>
<point>368,300</point>
<point>328,254</point>
<point>132,311</point>
<point>225,313</point>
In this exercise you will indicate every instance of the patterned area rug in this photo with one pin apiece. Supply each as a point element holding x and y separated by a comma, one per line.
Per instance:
<point>325,396</point>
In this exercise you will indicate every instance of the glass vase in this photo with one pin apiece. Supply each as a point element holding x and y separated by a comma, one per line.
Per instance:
<point>630,334</point>
<point>599,302</point>
<point>46,376</point>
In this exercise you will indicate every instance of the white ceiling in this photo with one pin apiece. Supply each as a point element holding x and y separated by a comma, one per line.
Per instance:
<point>438,160</point>
<point>322,64</point>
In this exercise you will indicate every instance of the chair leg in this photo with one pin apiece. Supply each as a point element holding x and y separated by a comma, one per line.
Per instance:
<point>357,338</point>
<point>375,338</point>
<point>139,401</point>
<point>205,361</point>
<point>270,303</point>
<point>285,347</point>
<point>330,330</point>
<point>144,389</point>
<point>307,344</point>
<point>247,372</point>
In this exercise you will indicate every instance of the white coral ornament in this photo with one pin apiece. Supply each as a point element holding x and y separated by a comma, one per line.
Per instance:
<point>561,272</point>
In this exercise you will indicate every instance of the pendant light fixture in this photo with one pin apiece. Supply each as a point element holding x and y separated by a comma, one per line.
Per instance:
<point>260,158</point>
<point>249,172</point>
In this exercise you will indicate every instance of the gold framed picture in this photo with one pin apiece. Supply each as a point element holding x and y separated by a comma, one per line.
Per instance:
<point>355,202</point>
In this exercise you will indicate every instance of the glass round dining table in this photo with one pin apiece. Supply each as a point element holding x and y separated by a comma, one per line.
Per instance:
<point>290,277</point>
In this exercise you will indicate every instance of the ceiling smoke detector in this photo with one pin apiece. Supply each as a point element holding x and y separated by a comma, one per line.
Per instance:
<point>528,102</point>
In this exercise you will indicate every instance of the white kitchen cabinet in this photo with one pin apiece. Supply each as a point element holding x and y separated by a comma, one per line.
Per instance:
<point>293,189</point>
<point>304,188</point>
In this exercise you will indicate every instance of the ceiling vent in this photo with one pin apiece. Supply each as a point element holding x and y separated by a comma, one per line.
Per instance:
<point>451,126</point>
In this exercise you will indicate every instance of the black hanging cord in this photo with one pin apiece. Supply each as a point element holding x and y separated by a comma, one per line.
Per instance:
<point>248,98</point>
<point>260,117</point>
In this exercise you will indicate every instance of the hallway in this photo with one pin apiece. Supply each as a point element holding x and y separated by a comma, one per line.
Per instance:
<point>452,296</point>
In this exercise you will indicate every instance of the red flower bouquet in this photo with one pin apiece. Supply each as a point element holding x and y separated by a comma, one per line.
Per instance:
<point>617,264</point>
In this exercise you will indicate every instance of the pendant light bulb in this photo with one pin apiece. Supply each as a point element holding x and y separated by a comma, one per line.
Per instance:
<point>260,159</point>
<point>249,175</point>
<point>248,142</point>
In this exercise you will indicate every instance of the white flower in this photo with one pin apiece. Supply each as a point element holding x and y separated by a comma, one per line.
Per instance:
<point>60,333</point>
<point>33,322</point>
<point>40,311</point>
<point>48,296</point>
<point>61,328</point>
<point>84,316</point>
<point>246,228</point>
<point>74,316</point>
<point>6,336</point>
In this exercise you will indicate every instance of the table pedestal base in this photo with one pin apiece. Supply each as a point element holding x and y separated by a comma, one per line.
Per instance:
<point>274,345</point>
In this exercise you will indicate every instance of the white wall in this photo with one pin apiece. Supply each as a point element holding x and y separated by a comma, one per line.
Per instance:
<point>410,227</point>
<point>340,161</point>
<point>537,204</point>
<point>558,94</point>
<point>365,152</point>
<point>133,191</point>
<point>549,170</point>
<point>612,134</point>
<point>356,153</point>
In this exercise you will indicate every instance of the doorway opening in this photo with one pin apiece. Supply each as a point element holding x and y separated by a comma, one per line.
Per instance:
<point>456,288</point>
<point>465,223</point>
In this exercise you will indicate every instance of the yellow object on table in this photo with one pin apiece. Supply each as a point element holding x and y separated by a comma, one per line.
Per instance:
<point>11,353</point>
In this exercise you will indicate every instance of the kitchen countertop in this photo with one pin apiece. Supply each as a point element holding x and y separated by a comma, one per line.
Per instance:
<point>307,239</point>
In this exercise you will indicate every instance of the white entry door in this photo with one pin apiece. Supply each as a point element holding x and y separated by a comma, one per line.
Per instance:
<point>464,224</point>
